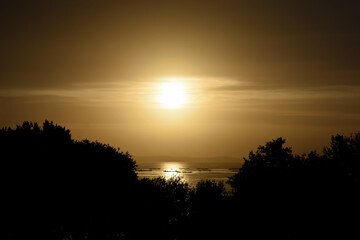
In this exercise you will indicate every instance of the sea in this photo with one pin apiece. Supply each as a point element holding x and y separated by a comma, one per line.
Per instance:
<point>190,174</point>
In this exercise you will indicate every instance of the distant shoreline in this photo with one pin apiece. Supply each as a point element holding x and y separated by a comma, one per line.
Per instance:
<point>191,162</point>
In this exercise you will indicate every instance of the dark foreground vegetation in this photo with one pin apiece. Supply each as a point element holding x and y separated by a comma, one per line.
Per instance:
<point>53,187</point>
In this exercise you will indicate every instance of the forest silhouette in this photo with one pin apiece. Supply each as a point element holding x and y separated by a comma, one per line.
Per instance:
<point>55,187</point>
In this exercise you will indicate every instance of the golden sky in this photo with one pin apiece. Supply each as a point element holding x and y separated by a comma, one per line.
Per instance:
<point>245,72</point>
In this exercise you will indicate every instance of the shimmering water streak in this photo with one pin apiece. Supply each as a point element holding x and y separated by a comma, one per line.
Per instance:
<point>190,175</point>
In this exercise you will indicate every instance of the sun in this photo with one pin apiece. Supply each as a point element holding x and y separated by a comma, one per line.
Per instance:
<point>172,95</point>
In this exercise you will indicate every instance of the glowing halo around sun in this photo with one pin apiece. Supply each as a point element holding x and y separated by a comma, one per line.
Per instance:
<point>172,94</point>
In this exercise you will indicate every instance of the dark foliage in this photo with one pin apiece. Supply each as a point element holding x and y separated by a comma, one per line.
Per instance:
<point>163,207</point>
<point>209,211</point>
<point>291,196</point>
<point>53,187</point>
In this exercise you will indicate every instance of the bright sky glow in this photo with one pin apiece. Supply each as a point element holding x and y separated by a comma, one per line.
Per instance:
<point>172,95</point>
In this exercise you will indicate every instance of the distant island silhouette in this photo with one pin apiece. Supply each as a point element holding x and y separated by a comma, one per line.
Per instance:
<point>55,187</point>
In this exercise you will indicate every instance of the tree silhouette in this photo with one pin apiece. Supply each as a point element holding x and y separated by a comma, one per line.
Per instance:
<point>51,183</point>
<point>209,210</point>
<point>344,153</point>
<point>162,208</point>
<point>306,194</point>
<point>54,187</point>
<point>268,164</point>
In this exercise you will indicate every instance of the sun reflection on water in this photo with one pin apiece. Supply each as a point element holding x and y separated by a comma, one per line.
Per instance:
<point>187,174</point>
<point>171,170</point>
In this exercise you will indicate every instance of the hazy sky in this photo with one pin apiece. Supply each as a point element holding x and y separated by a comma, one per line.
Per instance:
<point>250,71</point>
